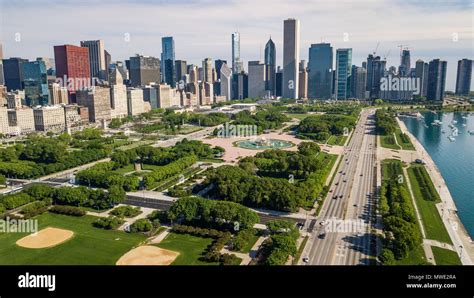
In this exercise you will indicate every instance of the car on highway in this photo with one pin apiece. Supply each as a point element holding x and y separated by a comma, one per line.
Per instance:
<point>306,259</point>
<point>334,197</point>
<point>340,196</point>
<point>337,183</point>
<point>322,236</point>
<point>355,205</point>
<point>322,223</point>
<point>361,175</point>
<point>344,180</point>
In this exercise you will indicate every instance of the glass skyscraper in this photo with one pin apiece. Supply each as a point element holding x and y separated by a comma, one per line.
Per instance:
<point>167,61</point>
<point>35,81</point>
<point>320,71</point>
<point>270,65</point>
<point>236,63</point>
<point>343,72</point>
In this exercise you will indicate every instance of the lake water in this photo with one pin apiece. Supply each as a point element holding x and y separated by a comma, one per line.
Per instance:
<point>455,159</point>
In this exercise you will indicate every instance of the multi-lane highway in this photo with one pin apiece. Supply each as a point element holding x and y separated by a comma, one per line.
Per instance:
<point>349,203</point>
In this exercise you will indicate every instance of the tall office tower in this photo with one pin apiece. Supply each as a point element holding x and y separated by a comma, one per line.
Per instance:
<point>278,82</point>
<point>118,95</point>
<point>404,69</point>
<point>135,102</point>
<point>226,81</point>
<point>35,81</point>
<point>217,65</point>
<point>57,94</point>
<point>291,57</point>
<point>181,69</point>
<point>2,78</point>
<point>240,86</point>
<point>256,79</point>
<point>320,71</point>
<point>358,82</point>
<point>97,58</point>
<point>270,65</point>
<point>144,70</point>
<point>236,63</point>
<point>108,61</point>
<point>463,78</point>
<point>421,73</point>
<point>207,70</point>
<point>13,73</point>
<point>167,61</point>
<point>193,74</point>
<point>375,71</point>
<point>303,82</point>
<point>97,101</point>
<point>436,79</point>
<point>343,72</point>
<point>72,63</point>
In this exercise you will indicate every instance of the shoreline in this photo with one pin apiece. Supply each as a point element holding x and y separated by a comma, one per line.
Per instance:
<point>447,208</point>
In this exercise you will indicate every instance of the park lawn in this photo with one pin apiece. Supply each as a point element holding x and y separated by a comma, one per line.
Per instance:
<point>403,140</point>
<point>388,141</point>
<point>127,169</point>
<point>190,248</point>
<point>246,249</point>
<point>337,140</point>
<point>298,116</point>
<point>445,256</point>
<point>434,226</point>
<point>415,257</point>
<point>89,245</point>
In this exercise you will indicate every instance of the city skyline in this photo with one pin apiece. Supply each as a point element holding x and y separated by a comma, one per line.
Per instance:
<point>427,42</point>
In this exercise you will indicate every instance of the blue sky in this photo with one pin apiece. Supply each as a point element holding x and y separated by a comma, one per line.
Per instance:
<point>202,28</point>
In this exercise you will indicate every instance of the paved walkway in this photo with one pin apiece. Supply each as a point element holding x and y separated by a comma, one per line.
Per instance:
<point>160,237</point>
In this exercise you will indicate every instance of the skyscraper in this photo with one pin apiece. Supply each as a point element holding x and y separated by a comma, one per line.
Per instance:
<point>421,73</point>
<point>144,70</point>
<point>270,65</point>
<point>320,71</point>
<point>404,69</point>
<point>207,70</point>
<point>181,69</point>
<point>343,72</point>
<point>303,80</point>
<point>375,71</point>
<point>218,64</point>
<point>13,73</point>
<point>2,78</point>
<point>358,82</point>
<point>256,79</point>
<point>167,61</point>
<point>97,60</point>
<point>463,78</point>
<point>236,63</point>
<point>226,81</point>
<point>72,63</point>
<point>291,57</point>
<point>35,82</point>
<point>436,79</point>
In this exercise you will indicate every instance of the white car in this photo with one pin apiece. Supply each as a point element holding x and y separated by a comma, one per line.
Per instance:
<point>306,259</point>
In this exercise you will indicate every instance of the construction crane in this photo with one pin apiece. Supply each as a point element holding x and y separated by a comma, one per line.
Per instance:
<point>403,47</point>
<point>386,55</point>
<point>376,48</point>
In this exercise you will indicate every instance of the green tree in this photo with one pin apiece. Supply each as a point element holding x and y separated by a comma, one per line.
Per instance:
<point>116,194</point>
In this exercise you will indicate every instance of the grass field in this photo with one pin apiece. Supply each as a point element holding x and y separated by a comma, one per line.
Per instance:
<point>415,257</point>
<point>388,141</point>
<point>246,249</point>
<point>337,140</point>
<point>298,116</point>
<point>190,248</point>
<point>403,140</point>
<point>445,257</point>
<point>434,226</point>
<point>89,245</point>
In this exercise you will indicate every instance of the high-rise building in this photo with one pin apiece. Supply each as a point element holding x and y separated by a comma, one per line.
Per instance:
<point>2,78</point>
<point>217,65</point>
<point>144,70</point>
<point>13,73</point>
<point>375,71</point>
<point>436,79</point>
<point>279,82</point>
<point>236,63</point>
<point>97,58</point>
<point>421,73</point>
<point>181,69</point>
<point>463,78</point>
<point>35,81</point>
<point>207,70</point>
<point>256,79</point>
<point>358,82</point>
<point>118,95</point>
<point>167,61</point>
<point>270,65</point>
<point>320,71</point>
<point>240,86</point>
<point>72,65</point>
<point>226,81</point>
<point>291,57</point>
<point>57,94</point>
<point>97,100</point>
<point>303,81</point>
<point>404,69</point>
<point>343,73</point>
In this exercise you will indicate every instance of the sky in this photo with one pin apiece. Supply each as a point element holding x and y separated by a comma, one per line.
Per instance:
<point>202,28</point>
